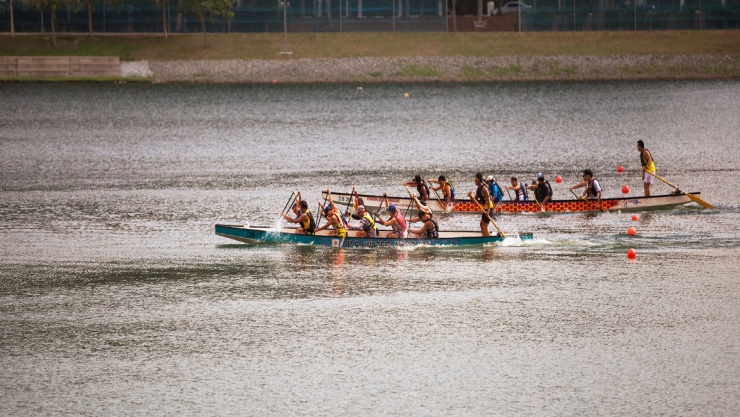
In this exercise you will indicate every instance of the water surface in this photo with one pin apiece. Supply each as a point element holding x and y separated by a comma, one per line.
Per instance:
<point>117,298</point>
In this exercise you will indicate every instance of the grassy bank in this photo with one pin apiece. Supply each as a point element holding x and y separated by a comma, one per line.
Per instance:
<point>349,45</point>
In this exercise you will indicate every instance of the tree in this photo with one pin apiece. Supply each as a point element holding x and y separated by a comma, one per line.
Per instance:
<point>164,17</point>
<point>214,8</point>
<point>52,6</point>
<point>12,21</point>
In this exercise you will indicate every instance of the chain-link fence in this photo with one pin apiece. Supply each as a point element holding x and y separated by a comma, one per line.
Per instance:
<point>132,16</point>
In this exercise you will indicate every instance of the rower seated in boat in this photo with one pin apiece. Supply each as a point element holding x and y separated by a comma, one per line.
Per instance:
<point>593,188</point>
<point>396,222</point>
<point>304,218</point>
<point>430,228</point>
<point>367,226</point>
<point>333,219</point>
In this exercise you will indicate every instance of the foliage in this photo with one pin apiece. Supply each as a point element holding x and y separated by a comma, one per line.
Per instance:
<point>215,9</point>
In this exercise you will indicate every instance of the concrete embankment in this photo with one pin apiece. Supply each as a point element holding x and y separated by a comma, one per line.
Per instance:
<point>440,69</point>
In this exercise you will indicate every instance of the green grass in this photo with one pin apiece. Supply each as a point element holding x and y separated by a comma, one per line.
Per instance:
<point>347,45</point>
<point>414,70</point>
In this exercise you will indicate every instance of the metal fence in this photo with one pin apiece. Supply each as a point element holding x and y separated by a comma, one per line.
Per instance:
<point>141,16</point>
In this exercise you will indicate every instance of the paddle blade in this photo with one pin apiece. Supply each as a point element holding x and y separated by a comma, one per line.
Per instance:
<point>699,201</point>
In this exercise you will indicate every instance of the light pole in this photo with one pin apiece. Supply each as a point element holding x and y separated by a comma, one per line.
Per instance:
<point>285,5</point>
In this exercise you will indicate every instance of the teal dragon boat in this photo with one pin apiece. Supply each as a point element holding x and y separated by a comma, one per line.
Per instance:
<point>261,234</point>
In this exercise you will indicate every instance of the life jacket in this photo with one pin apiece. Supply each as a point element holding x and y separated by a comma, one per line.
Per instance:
<point>434,233</point>
<point>591,190</point>
<point>479,196</point>
<point>538,193</point>
<point>400,226</point>
<point>496,193</point>
<point>649,167</point>
<point>309,225</point>
<point>424,195</point>
<point>372,224</point>
<point>643,160</point>
<point>522,192</point>
<point>452,190</point>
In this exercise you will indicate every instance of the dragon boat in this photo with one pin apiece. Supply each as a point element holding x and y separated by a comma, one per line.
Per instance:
<point>262,234</point>
<point>655,202</point>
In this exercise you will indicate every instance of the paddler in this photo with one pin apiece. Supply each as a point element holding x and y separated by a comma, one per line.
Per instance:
<point>396,222</point>
<point>304,218</point>
<point>333,219</point>
<point>483,196</point>
<point>648,167</point>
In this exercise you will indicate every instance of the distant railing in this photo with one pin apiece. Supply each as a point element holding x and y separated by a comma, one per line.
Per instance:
<point>60,66</point>
<point>146,16</point>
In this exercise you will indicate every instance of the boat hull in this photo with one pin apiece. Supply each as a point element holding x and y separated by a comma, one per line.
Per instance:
<point>658,202</point>
<point>258,234</point>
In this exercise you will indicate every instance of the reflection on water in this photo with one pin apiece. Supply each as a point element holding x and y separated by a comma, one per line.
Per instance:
<point>117,298</point>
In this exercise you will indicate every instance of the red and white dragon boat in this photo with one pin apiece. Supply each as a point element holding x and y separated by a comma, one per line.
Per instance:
<point>655,202</point>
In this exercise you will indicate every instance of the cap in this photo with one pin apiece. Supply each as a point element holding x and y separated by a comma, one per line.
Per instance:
<point>392,208</point>
<point>490,178</point>
<point>417,179</point>
<point>539,175</point>
<point>327,209</point>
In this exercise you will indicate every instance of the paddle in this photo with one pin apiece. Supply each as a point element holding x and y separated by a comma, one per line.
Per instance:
<point>349,214</point>
<point>321,209</point>
<point>291,198</point>
<point>693,197</point>
<point>385,199</point>
<point>580,197</point>
<point>484,211</point>
<point>444,207</point>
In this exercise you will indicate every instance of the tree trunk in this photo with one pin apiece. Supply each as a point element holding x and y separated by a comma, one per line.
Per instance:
<point>454,16</point>
<point>89,16</point>
<point>53,32</point>
<point>480,10</point>
<point>203,25</point>
<point>164,18</point>
<point>12,23</point>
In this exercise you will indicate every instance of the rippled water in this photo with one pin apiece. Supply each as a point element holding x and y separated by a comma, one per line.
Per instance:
<point>117,298</point>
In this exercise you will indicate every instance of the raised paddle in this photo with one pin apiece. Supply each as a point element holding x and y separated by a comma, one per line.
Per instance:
<point>321,208</point>
<point>292,195</point>
<point>484,211</point>
<point>349,214</point>
<point>698,200</point>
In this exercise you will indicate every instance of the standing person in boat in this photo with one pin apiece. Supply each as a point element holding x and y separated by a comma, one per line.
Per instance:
<point>648,167</point>
<point>304,218</point>
<point>484,198</point>
<point>494,189</point>
<point>396,222</point>
<point>367,226</point>
<point>520,188</point>
<point>421,187</point>
<point>333,218</point>
<point>448,191</point>
<point>542,191</point>
<point>593,188</point>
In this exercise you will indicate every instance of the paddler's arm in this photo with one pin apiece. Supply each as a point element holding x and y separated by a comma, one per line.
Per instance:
<point>292,220</point>
<point>579,185</point>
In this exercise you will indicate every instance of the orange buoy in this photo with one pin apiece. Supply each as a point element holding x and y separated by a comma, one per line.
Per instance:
<point>635,218</point>
<point>631,231</point>
<point>625,189</point>
<point>405,95</point>
<point>620,169</point>
<point>631,254</point>
<point>558,179</point>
